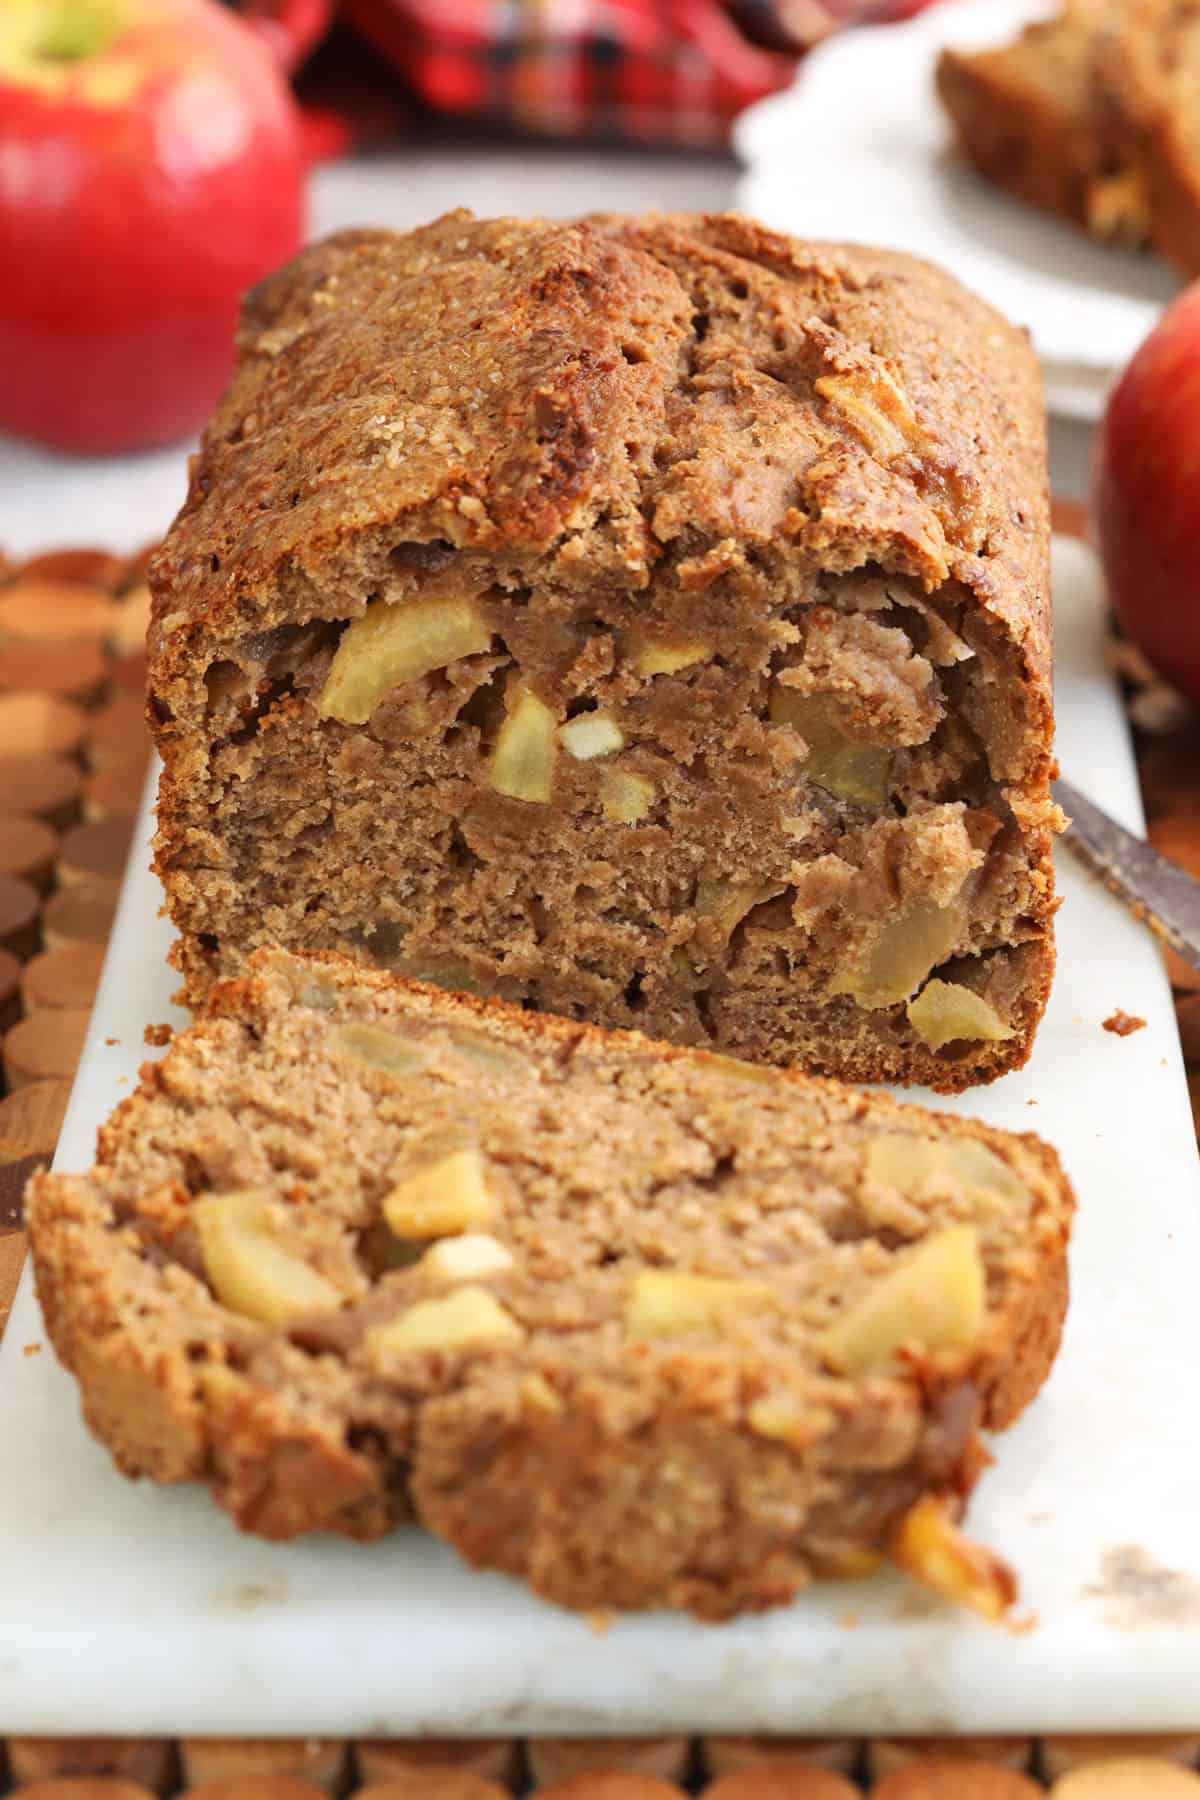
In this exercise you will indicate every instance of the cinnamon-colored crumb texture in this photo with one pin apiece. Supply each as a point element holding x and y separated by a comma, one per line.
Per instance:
<point>641,1325</point>
<point>642,619</point>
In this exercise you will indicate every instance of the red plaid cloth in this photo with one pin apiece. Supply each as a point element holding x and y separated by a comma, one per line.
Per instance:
<point>665,71</point>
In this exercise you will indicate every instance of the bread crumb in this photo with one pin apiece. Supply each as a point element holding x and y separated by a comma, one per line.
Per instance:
<point>1121,1024</point>
<point>32,1350</point>
<point>155,1036</point>
<point>111,1041</point>
<point>1139,1591</point>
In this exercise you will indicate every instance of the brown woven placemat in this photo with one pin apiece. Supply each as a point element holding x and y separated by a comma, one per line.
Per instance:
<point>73,755</point>
<point>662,1768</point>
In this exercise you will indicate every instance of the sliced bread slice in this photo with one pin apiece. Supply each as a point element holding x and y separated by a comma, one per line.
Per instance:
<point>1036,118</point>
<point>1148,67</point>
<point>641,1324</point>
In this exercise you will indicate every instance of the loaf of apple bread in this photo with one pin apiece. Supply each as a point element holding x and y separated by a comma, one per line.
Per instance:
<point>642,619</point>
<point>641,1324</point>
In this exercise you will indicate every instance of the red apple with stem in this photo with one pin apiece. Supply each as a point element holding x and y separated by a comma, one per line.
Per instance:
<point>150,172</point>
<point>1146,495</point>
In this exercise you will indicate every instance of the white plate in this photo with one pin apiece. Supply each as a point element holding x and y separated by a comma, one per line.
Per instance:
<point>130,1609</point>
<point>859,148</point>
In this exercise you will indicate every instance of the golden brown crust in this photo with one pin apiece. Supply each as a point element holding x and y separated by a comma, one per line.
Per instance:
<point>648,1484</point>
<point>639,408</point>
<point>524,364</point>
<point>1036,1333</point>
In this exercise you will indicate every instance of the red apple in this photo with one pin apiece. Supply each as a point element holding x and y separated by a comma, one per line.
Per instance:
<point>150,172</point>
<point>1146,495</point>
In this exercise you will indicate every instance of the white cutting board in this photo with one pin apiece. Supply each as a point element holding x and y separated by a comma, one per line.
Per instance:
<point>126,1609</point>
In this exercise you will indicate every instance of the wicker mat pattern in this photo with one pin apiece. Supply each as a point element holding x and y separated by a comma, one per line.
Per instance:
<point>1074,1768</point>
<point>73,757</point>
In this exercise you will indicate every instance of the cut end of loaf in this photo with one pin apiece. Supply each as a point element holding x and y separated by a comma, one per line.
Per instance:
<point>715,702</point>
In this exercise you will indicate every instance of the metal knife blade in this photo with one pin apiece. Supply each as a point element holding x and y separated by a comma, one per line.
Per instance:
<point>1156,890</point>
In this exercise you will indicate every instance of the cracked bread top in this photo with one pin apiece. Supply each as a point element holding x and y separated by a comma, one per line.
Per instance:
<point>665,401</point>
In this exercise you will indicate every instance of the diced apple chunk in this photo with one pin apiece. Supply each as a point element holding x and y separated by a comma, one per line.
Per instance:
<point>728,902</point>
<point>380,1049</point>
<point>221,1386</point>
<point>935,1299</point>
<point>739,1070</point>
<point>539,1395</point>
<point>844,766</point>
<point>667,656</point>
<point>781,1418</point>
<point>486,1054</point>
<point>854,1563</point>
<point>454,1321</point>
<point>446,972</point>
<point>977,1167</point>
<point>907,947</point>
<point>901,1159</point>
<point>523,760</point>
<point>928,1545</point>
<point>590,735</point>
<point>394,642</point>
<point>874,403</point>
<point>445,1197</point>
<point>662,1304</point>
<point>250,1270</point>
<point>1118,205</point>
<point>625,798</point>
<point>945,1011</point>
<point>467,1258</point>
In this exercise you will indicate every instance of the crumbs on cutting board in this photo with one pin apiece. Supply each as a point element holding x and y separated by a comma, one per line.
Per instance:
<point>1123,1024</point>
<point>155,1036</point>
<point>34,1349</point>
<point>246,1596</point>
<point>1139,1591</point>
